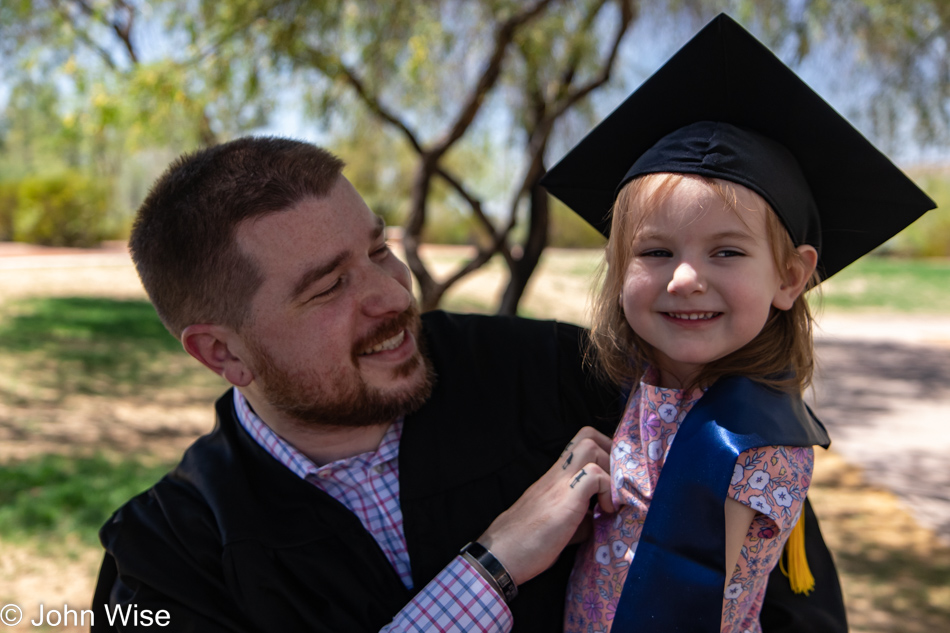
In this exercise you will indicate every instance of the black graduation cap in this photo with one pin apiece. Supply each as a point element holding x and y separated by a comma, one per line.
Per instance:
<point>724,106</point>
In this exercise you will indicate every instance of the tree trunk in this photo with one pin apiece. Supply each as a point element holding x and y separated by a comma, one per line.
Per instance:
<point>429,290</point>
<point>534,245</point>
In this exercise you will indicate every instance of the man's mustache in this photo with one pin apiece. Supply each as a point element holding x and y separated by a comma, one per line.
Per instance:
<point>408,320</point>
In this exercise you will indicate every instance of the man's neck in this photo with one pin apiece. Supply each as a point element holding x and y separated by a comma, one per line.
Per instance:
<point>321,444</point>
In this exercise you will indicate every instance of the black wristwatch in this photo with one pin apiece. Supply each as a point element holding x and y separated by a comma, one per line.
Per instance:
<point>491,569</point>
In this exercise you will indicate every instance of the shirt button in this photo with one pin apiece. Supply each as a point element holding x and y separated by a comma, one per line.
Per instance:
<point>379,468</point>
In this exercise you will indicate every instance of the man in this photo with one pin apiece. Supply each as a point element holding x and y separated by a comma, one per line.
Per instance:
<point>362,445</point>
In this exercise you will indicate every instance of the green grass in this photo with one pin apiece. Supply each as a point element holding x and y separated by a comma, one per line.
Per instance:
<point>49,497</point>
<point>88,329</point>
<point>50,350</point>
<point>882,283</point>
<point>93,345</point>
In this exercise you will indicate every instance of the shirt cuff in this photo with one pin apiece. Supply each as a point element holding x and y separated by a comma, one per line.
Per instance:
<point>458,599</point>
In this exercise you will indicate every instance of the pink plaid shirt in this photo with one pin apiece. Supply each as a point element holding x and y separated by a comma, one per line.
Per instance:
<point>458,598</point>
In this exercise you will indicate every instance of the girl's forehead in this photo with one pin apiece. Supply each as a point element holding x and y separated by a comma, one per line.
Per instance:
<point>685,197</point>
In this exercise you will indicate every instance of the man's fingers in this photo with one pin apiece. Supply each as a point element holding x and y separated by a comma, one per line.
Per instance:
<point>592,480</point>
<point>582,451</point>
<point>589,432</point>
<point>602,440</point>
<point>528,536</point>
<point>602,459</point>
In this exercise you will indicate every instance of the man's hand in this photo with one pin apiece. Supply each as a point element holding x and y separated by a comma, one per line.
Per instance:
<point>528,537</point>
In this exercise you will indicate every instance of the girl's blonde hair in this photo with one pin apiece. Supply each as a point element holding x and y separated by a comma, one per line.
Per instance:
<point>781,355</point>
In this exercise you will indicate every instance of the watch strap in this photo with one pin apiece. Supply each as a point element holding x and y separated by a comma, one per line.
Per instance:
<point>491,569</point>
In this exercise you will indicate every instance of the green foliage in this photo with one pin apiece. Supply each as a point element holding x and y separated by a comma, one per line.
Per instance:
<point>8,205</point>
<point>930,235</point>
<point>380,168</point>
<point>449,227</point>
<point>890,283</point>
<point>58,495</point>
<point>66,209</point>
<point>566,229</point>
<point>569,230</point>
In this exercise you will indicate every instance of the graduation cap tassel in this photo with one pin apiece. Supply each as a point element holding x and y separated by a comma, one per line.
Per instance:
<point>798,573</point>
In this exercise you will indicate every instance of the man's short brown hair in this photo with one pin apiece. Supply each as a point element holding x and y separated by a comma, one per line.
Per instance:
<point>183,240</point>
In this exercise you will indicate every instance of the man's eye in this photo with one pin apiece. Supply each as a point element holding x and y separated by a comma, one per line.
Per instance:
<point>382,250</point>
<point>329,291</point>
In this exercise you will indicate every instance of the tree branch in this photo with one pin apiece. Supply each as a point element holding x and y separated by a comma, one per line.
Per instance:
<point>482,258</point>
<point>504,34</point>
<point>566,99</point>
<point>123,31</point>
<point>499,238</point>
<point>571,98</point>
<point>332,66</point>
<point>70,19</point>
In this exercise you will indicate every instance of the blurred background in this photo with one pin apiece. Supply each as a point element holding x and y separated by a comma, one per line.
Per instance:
<point>447,113</point>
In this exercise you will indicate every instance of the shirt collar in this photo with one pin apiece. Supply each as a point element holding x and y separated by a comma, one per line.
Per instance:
<point>301,465</point>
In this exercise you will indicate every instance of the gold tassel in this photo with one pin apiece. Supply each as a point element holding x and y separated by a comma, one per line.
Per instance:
<point>799,575</point>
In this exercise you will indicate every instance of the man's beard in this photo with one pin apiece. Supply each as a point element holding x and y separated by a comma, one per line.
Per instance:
<point>348,401</point>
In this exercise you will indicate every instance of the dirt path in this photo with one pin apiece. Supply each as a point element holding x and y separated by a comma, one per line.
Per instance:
<point>884,392</point>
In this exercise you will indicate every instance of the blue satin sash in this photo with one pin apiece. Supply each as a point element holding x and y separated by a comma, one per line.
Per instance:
<point>676,579</point>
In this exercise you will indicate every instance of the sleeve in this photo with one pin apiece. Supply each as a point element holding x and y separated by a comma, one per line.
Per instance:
<point>773,481</point>
<point>150,570</point>
<point>181,599</point>
<point>458,599</point>
<point>118,606</point>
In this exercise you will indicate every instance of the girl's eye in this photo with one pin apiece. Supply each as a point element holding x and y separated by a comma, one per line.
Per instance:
<point>726,252</point>
<point>656,252</point>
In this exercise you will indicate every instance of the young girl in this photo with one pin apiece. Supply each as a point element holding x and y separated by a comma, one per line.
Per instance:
<point>716,231</point>
<point>703,281</point>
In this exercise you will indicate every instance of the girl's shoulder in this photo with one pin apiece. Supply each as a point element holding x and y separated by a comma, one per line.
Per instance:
<point>773,480</point>
<point>743,406</point>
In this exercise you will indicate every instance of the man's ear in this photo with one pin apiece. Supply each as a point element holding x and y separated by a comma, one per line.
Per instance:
<point>219,349</point>
<point>796,276</point>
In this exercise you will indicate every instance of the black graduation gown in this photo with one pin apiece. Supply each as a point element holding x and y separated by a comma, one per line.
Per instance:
<point>233,541</point>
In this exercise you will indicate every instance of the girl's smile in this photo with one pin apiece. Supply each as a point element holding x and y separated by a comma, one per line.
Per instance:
<point>701,279</point>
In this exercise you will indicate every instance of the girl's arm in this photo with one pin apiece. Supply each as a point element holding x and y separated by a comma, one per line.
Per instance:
<point>738,519</point>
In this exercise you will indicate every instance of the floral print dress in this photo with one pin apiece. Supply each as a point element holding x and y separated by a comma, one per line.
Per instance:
<point>772,480</point>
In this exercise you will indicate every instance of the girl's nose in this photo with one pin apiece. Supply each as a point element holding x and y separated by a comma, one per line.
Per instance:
<point>686,280</point>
